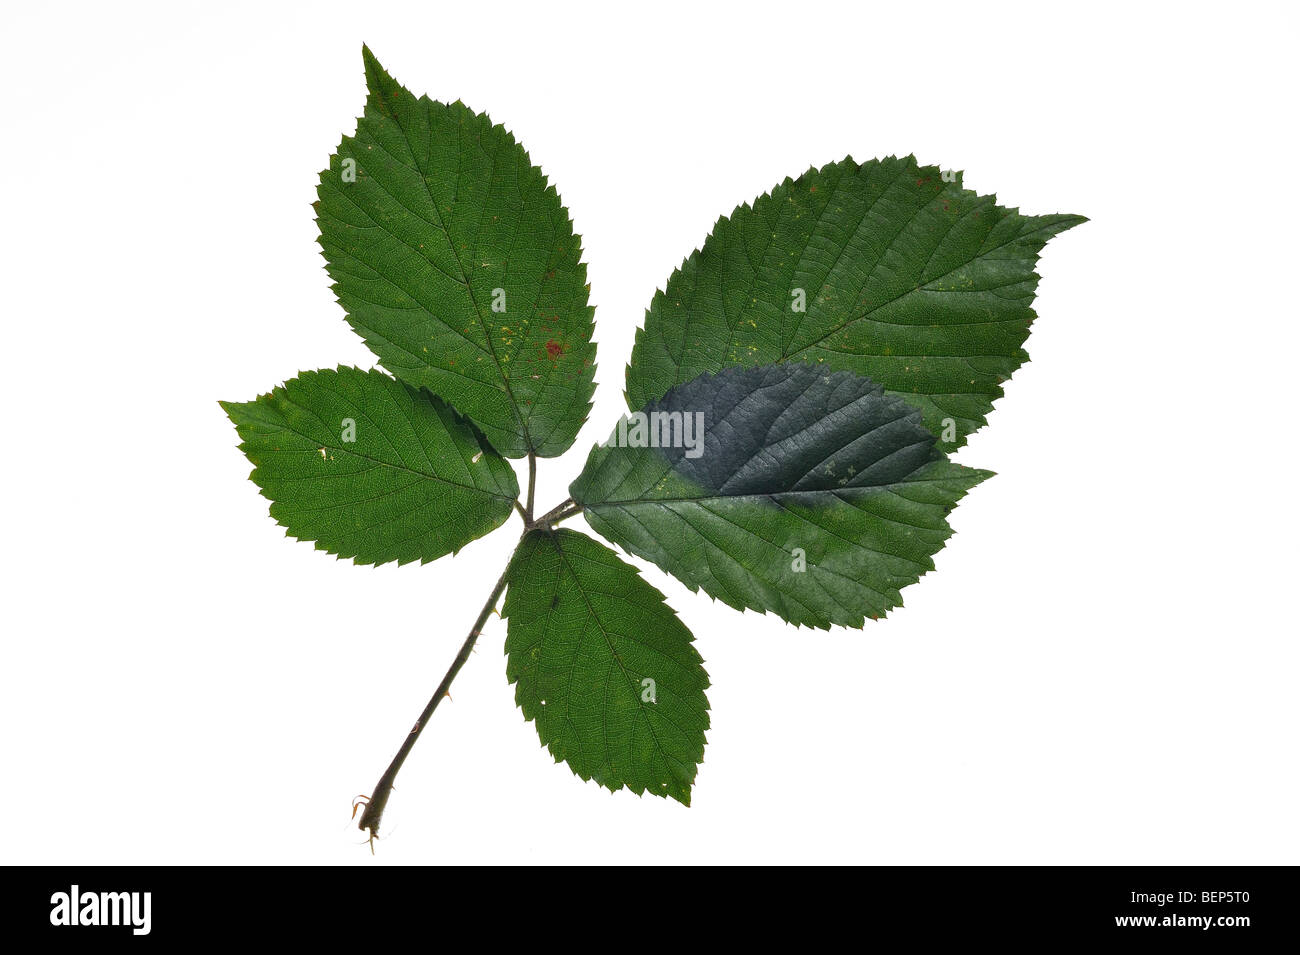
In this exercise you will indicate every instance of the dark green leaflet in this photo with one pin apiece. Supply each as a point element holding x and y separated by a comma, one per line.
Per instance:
<point>816,496</point>
<point>915,282</point>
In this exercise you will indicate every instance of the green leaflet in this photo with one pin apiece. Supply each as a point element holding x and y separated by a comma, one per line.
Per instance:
<point>457,264</point>
<point>603,666</point>
<point>812,495</point>
<point>414,481</point>
<point>917,283</point>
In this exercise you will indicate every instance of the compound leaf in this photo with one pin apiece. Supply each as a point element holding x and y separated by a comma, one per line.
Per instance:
<point>458,265</point>
<point>603,666</point>
<point>785,488</point>
<point>372,469</point>
<point>882,268</point>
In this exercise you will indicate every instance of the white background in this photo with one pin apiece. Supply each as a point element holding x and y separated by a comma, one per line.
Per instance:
<point>1103,669</point>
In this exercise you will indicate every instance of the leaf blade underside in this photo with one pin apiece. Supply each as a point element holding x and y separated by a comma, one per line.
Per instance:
<point>585,632</point>
<point>446,219</point>
<point>917,283</point>
<point>792,456</point>
<point>415,483</point>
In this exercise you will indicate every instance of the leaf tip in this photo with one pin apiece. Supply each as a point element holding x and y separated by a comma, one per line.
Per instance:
<point>379,83</point>
<point>231,409</point>
<point>369,60</point>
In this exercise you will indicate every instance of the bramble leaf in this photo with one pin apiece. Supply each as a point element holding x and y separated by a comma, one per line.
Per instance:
<point>603,666</point>
<point>785,488</point>
<point>800,379</point>
<point>372,469</point>
<point>883,269</point>
<point>457,264</point>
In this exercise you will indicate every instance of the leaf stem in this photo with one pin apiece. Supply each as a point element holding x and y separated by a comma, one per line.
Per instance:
<point>567,513</point>
<point>532,486</point>
<point>374,808</point>
<point>373,812</point>
<point>565,508</point>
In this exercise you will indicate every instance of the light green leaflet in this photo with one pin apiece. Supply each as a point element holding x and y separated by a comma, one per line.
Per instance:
<point>457,264</point>
<point>883,268</point>
<point>372,469</point>
<point>604,667</point>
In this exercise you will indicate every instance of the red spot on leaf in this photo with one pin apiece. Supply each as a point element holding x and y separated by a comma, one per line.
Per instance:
<point>554,350</point>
